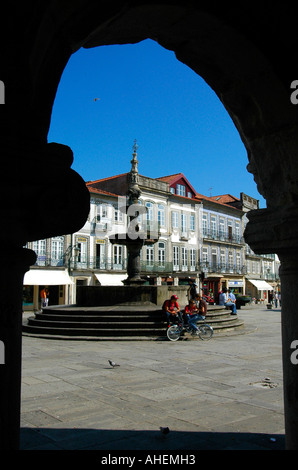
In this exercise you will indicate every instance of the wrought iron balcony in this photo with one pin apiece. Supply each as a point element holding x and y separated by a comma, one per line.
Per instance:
<point>223,237</point>
<point>222,268</point>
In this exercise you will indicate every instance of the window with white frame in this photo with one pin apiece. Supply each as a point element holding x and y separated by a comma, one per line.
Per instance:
<point>175,257</point>
<point>213,226</point>
<point>231,260</point>
<point>192,259</point>
<point>161,253</point>
<point>149,255</point>
<point>205,256</point>
<point>175,222</point>
<point>161,215</point>
<point>82,246</point>
<point>237,231</point>
<point>183,223</point>
<point>180,189</point>
<point>222,258</point>
<point>221,228</point>
<point>214,258</point>
<point>238,261</point>
<point>205,225</point>
<point>57,249</point>
<point>118,215</point>
<point>192,222</point>
<point>184,258</point>
<point>230,229</point>
<point>101,211</point>
<point>39,247</point>
<point>149,206</point>
<point>117,256</point>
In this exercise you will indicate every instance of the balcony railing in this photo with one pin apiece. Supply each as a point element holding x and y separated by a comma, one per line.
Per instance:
<point>223,237</point>
<point>222,268</point>
<point>120,264</point>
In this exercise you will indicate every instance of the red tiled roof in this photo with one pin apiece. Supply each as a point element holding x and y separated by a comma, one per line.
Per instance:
<point>101,191</point>
<point>89,183</point>
<point>225,198</point>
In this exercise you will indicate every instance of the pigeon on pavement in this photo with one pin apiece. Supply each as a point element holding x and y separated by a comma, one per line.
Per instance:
<point>113,364</point>
<point>164,430</point>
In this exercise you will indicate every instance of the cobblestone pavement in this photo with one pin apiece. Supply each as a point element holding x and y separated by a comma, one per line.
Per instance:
<point>225,393</point>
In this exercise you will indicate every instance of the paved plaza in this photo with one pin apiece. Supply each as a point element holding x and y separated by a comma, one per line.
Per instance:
<point>225,393</point>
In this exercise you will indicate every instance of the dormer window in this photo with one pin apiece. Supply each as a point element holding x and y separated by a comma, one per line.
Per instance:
<point>180,190</point>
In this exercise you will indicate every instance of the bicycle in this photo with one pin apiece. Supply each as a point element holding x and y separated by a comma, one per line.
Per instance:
<point>205,331</point>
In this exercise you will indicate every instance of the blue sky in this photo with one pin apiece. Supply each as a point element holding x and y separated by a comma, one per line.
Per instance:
<point>143,92</point>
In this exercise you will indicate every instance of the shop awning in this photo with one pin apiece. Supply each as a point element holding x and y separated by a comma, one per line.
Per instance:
<point>111,279</point>
<point>46,277</point>
<point>260,285</point>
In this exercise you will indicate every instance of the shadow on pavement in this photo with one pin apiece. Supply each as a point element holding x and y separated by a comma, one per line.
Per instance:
<point>94,439</point>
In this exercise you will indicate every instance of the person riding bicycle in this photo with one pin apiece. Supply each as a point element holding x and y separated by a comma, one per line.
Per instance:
<point>171,309</point>
<point>194,312</point>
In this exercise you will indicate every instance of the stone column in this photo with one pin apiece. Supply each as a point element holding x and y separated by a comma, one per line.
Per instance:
<point>276,231</point>
<point>48,199</point>
<point>289,320</point>
<point>14,263</point>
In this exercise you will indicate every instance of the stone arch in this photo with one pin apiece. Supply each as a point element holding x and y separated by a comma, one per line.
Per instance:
<point>234,50</point>
<point>242,76</point>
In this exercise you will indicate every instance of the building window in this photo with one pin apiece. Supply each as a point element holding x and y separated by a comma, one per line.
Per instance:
<point>183,223</point>
<point>213,226</point>
<point>57,250</point>
<point>184,258</point>
<point>189,194</point>
<point>205,225</point>
<point>192,254</point>
<point>237,231</point>
<point>230,230</point>
<point>149,206</point>
<point>118,256</point>
<point>161,254</point>
<point>205,256</point>
<point>149,256</point>
<point>222,259</point>
<point>118,216</point>
<point>192,222</point>
<point>102,211</point>
<point>180,190</point>
<point>82,251</point>
<point>214,258</point>
<point>231,260</point>
<point>238,261</point>
<point>176,257</point>
<point>161,215</point>
<point>172,190</point>
<point>39,247</point>
<point>175,219</point>
<point>221,228</point>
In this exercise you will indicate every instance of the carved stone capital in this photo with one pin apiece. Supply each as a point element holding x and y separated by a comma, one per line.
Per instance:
<point>46,197</point>
<point>273,230</point>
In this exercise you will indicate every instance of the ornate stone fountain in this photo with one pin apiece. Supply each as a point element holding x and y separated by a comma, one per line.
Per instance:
<point>136,236</point>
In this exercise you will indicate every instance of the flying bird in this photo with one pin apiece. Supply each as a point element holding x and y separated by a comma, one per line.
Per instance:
<point>113,364</point>
<point>96,99</point>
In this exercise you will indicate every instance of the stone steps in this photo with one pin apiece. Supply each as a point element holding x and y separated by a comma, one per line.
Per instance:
<point>118,322</point>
